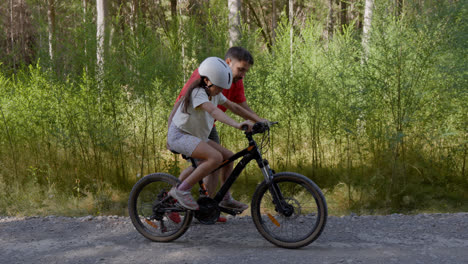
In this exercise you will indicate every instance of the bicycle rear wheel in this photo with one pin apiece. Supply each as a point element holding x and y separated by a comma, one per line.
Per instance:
<point>155,215</point>
<point>307,208</point>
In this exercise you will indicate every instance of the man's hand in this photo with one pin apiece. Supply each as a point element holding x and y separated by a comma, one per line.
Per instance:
<point>247,123</point>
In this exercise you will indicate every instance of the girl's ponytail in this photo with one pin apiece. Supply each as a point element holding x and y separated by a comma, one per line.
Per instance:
<point>199,83</point>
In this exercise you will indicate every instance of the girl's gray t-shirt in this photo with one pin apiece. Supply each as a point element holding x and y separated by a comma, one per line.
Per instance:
<point>196,121</point>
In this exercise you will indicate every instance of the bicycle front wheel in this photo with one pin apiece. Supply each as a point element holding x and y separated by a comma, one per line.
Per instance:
<point>304,218</point>
<point>155,215</point>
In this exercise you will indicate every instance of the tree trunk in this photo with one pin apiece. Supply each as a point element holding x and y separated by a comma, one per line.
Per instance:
<point>246,16</point>
<point>234,7</point>
<point>369,6</point>
<point>398,7</point>
<point>196,8</point>
<point>85,9</point>
<point>355,15</point>
<point>22,34</point>
<point>273,22</point>
<point>173,10</point>
<point>338,17</point>
<point>134,15</point>
<point>85,20</point>
<point>330,19</point>
<point>344,14</point>
<point>291,32</point>
<point>101,36</point>
<point>182,5</point>
<point>51,28</point>
<point>12,38</point>
<point>263,29</point>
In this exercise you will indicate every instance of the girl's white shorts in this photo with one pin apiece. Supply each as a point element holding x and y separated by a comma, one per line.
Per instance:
<point>181,142</point>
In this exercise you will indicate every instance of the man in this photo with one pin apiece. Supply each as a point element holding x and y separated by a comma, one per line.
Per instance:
<point>239,60</point>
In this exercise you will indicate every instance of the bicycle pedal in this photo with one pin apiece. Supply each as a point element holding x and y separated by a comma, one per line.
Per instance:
<point>178,205</point>
<point>230,211</point>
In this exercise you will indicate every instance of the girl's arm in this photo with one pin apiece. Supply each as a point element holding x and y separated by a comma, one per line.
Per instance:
<point>242,112</point>
<point>219,115</point>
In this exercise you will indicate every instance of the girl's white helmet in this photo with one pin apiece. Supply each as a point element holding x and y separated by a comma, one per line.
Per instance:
<point>217,70</point>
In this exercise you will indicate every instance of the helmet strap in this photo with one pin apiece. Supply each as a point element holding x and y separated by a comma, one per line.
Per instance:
<point>207,91</point>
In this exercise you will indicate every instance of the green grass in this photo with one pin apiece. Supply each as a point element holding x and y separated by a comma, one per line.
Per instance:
<point>34,199</point>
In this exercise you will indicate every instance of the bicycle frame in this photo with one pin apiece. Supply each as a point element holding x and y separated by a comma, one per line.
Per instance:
<point>248,154</point>
<point>288,209</point>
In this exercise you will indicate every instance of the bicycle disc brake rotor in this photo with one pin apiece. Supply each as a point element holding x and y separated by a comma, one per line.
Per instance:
<point>209,211</point>
<point>293,206</point>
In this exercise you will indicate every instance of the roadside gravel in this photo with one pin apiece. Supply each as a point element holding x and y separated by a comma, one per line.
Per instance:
<point>423,238</point>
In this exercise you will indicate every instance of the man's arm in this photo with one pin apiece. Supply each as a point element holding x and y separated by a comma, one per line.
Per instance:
<point>242,112</point>
<point>219,115</point>
<point>246,107</point>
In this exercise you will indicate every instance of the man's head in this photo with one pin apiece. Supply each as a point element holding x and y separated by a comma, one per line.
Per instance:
<point>239,60</point>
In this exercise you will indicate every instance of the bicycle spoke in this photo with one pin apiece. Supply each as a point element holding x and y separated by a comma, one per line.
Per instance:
<point>153,213</point>
<point>303,216</point>
<point>300,223</point>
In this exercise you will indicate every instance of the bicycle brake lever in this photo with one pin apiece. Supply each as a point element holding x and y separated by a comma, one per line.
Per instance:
<point>264,126</point>
<point>271,123</point>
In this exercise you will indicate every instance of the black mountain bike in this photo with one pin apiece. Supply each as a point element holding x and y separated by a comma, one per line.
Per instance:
<point>287,208</point>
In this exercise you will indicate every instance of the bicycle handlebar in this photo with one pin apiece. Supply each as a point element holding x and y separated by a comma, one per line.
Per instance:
<point>259,127</point>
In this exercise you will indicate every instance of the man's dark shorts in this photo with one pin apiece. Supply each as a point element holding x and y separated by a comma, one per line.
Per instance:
<point>214,135</point>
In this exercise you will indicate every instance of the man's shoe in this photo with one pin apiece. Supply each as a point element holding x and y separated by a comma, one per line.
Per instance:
<point>175,217</point>
<point>232,204</point>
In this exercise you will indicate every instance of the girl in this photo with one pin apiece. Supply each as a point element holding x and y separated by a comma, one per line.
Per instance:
<point>192,119</point>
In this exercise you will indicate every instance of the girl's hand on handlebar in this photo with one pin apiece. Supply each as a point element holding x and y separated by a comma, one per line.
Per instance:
<point>246,125</point>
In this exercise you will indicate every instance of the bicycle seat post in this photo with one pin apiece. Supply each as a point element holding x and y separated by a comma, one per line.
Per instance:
<point>194,164</point>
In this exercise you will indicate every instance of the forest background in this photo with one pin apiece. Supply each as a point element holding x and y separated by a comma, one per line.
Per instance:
<point>370,95</point>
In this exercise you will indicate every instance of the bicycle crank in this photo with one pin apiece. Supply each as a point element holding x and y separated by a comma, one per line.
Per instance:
<point>209,211</point>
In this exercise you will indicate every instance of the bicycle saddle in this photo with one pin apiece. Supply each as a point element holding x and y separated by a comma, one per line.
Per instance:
<point>183,155</point>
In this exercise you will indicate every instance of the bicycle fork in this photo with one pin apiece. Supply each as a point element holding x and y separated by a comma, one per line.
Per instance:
<point>278,200</point>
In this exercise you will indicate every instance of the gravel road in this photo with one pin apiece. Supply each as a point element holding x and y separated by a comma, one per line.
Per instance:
<point>423,238</point>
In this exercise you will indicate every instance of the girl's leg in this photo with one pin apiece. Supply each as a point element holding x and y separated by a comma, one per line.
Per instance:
<point>228,201</point>
<point>182,142</point>
<point>212,158</point>
<point>184,174</point>
<point>211,181</point>
<point>226,171</point>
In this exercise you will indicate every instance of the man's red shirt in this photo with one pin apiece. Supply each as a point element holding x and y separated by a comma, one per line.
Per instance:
<point>236,94</point>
